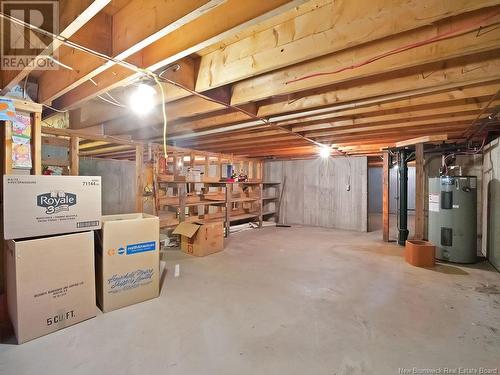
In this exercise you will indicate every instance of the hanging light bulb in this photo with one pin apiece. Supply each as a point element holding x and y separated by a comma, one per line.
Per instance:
<point>142,100</point>
<point>324,152</point>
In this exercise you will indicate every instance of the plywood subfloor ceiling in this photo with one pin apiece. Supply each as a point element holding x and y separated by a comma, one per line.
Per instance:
<point>357,75</point>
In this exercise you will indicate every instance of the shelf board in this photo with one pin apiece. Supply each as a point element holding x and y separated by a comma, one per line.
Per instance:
<point>268,213</point>
<point>271,183</point>
<point>243,217</point>
<point>269,198</point>
<point>200,203</point>
<point>236,200</point>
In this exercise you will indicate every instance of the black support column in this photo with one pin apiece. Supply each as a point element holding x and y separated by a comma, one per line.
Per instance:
<point>403,197</point>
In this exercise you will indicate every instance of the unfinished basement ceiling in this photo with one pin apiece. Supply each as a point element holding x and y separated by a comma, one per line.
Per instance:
<point>316,72</point>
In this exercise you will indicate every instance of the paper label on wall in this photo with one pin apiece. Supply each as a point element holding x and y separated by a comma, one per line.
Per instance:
<point>434,202</point>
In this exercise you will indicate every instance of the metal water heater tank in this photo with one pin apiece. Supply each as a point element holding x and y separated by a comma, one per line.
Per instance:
<point>453,217</point>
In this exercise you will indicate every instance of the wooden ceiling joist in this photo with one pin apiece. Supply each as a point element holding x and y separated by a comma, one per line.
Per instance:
<point>210,27</point>
<point>319,69</point>
<point>423,139</point>
<point>134,27</point>
<point>73,16</point>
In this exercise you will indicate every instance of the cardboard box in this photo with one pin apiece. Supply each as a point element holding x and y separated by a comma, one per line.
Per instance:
<point>201,239</point>
<point>127,260</point>
<point>46,205</point>
<point>50,283</point>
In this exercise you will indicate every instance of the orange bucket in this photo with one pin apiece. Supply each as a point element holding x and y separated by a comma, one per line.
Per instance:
<point>420,253</point>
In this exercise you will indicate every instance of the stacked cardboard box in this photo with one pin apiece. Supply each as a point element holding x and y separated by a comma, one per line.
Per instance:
<point>56,244</point>
<point>127,260</point>
<point>49,259</point>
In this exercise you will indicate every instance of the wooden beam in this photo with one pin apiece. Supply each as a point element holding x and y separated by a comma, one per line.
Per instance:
<point>104,150</point>
<point>387,116</point>
<point>419,191</point>
<point>139,154</point>
<point>469,95</point>
<point>87,145</point>
<point>74,159</point>
<point>402,124</point>
<point>225,20</point>
<point>132,28</point>
<point>24,105</point>
<point>36,143</point>
<point>450,49</point>
<point>73,15</point>
<point>423,139</point>
<point>335,28</point>
<point>433,78</point>
<point>385,197</point>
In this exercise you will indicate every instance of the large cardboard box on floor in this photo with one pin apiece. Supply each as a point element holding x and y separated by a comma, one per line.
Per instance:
<point>50,283</point>
<point>127,260</point>
<point>201,239</point>
<point>45,205</point>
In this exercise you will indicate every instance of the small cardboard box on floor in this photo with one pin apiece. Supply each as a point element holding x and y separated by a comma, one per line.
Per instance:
<point>201,239</point>
<point>127,260</point>
<point>45,205</point>
<point>50,283</point>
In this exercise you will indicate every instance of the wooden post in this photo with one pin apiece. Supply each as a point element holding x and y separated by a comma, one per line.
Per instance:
<point>36,143</point>
<point>261,204</point>
<point>419,191</point>
<point>175,158</point>
<point>207,166</point>
<point>139,155</point>
<point>182,202</point>
<point>229,206</point>
<point>385,197</point>
<point>7,145</point>
<point>258,172</point>
<point>74,160</point>
<point>250,171</point>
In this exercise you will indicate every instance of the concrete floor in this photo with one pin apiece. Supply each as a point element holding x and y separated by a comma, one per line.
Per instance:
<point>287,301</point>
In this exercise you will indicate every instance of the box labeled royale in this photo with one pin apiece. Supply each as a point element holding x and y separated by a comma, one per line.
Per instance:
<point>45,205</point>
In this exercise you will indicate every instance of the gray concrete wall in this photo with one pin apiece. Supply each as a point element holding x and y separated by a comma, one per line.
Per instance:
<point>315,192</point>
<point>491,203</point>
<point>375,190</point>
<point>118,183</point>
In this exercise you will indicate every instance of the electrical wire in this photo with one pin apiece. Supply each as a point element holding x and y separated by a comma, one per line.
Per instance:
<point>55,109</point>
<point>467,153</point>
<point>156,77</point>
<point>264,120</point>
<point>164,111</point>
<point>111,102</point>
<point>483,110</point>
<point>394,51</point>
<point>112,97</point>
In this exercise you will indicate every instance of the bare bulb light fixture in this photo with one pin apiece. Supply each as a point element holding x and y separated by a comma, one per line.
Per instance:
<point>324,152</point>
<point>142,99</point>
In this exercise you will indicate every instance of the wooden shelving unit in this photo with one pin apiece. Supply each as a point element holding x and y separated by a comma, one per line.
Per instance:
<point>242,201</point>
<point>271,200</point>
